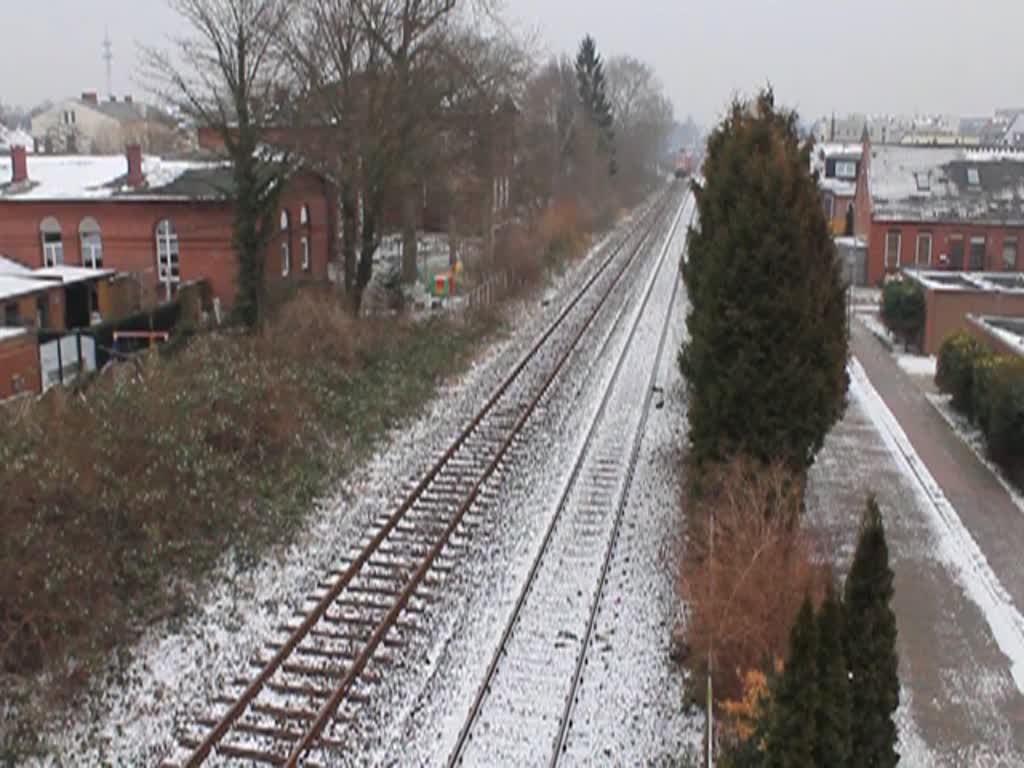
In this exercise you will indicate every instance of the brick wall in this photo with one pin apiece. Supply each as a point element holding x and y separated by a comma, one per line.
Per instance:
<point>946,312</point>
<point>942,235</point>
<point>204,232</point>
<point>19,366</point>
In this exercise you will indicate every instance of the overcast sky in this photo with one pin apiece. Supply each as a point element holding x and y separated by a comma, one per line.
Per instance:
<point>950,56</point>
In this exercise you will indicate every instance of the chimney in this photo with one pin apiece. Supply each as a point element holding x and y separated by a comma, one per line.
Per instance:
<point>134,155</point>
<point>19,165</point>
<point>91,98</point>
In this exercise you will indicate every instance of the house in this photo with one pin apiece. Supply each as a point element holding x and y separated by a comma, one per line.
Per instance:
<point>1014,136</point>
<point>162,221</point>
<point>952,208</point>
<point>837,166</point>
<point>45,301</point>
<point>90,126</point>
<point>951,298</point>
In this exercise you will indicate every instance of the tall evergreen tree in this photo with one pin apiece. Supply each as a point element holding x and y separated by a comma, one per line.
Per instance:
<point>870,647</point>
<point>791,736</point>
<point>832,723</point>
<point>592,87</point>
<point>766,359</point>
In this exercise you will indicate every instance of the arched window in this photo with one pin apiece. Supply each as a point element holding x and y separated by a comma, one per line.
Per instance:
<point>167,257</point>
<point>92,243</point>
<point>286,244</point>
<point>306,238</point>
<point>53,242</point>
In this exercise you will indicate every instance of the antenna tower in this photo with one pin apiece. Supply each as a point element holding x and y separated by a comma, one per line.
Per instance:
<point>108,57</point>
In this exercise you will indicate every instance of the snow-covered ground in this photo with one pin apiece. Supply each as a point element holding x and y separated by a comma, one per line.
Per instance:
<point>132,717</point>
<point>918,365</point>
<point>960,637</point>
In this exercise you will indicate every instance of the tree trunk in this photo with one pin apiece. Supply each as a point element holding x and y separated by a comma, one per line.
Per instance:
<point>368,246</point>
<point>349,229</point>
<point>410,200</point>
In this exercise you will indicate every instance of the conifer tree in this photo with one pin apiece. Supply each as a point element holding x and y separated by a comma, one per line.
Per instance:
<point>791,736</point>
<point>832,724</point>
<point>870,647</point>
<point>766,359</point>
<point>592,86</point>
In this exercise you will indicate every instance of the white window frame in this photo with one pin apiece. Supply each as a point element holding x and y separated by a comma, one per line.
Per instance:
<point>921,238</point>
<point>1008,241</point>
<point>973,177</point>
<point>168,257</point>
<point>899,246</point>
<point>846,165</point>
<point>286,244</point>
<point>304,242</point>
<point>53,250</point>
<point>92,250</point>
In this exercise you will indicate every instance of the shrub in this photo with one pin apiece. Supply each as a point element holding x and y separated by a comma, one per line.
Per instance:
<point>981,387</point>
<point>955,372</point>
<point>1005,416</point>
<point>746,597</point>
<point>903,310</point>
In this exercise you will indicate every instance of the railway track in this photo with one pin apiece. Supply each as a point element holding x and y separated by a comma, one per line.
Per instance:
<point>314,677</point>
<point>522,713</point>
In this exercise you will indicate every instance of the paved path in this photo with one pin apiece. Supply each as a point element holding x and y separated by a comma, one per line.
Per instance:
<point>995,522</point>
<point>963,702</point>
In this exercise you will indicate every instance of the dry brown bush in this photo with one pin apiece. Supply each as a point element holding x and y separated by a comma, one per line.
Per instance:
<point>747,567</point>
<point>315,322</point>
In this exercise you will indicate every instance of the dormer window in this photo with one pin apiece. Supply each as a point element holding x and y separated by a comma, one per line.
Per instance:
<point>973,178</point>
<point>924,181</point>
<point>846,169</point>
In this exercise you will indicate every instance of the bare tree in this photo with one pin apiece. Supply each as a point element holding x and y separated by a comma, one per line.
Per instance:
<point>644,118</point>
<point>228,75</point>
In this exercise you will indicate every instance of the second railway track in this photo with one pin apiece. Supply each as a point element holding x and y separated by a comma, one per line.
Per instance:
<point>522,713</point>
<point>312,680</point>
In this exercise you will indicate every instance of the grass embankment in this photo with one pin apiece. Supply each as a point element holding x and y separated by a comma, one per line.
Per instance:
<point>116,502</point>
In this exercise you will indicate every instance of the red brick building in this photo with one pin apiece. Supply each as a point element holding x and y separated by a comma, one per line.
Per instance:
<point>951,298</point>
<point>940,208</point>
<point>164,221</point>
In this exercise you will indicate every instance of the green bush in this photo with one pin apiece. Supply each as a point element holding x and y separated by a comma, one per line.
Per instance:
<point>1004,423</point>
<point>981,388</point>
<point>955,372</point>
<point>903,310</point>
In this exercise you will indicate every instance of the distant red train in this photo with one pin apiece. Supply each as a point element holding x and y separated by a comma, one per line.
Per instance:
<point>685,165</point>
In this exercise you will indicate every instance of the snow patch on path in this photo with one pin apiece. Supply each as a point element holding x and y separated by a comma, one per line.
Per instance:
<point>957,547</point>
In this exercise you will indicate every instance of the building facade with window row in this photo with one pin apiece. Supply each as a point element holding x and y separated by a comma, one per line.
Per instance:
<point>164,222</point>
<point>941,209</point>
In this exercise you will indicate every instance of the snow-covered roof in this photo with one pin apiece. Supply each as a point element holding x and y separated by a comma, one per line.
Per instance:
<point>11,333</point>
<point>991,282</point>
<point>1009,330</point>
<point>825,151</point>
<point>93,177</point>
<point>12,267</point>
<point>951,184</point>
<point>30,281</point>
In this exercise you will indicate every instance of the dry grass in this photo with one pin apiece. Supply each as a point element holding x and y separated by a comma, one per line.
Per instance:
<point>115,502</point>
<point>747,568</point>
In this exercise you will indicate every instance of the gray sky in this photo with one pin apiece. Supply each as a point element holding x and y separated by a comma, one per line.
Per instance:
<point>951,56</point>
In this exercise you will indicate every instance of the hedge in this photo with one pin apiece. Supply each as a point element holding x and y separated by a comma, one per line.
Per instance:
<point>988,389</point>
<point>955,372</point>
